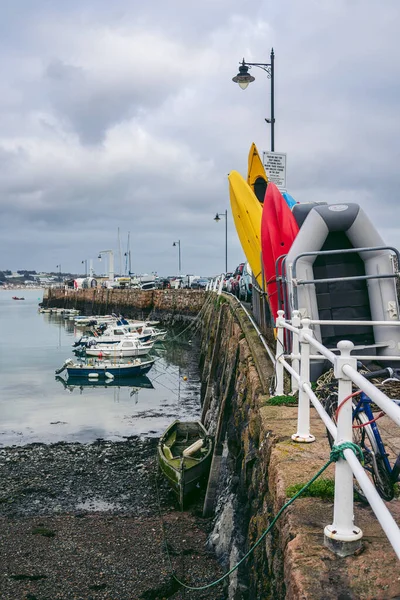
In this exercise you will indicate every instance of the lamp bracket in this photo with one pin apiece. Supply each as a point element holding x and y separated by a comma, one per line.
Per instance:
<point>264,66</point>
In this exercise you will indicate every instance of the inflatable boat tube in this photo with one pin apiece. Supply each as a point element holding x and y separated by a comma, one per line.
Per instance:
<point>352,291</point>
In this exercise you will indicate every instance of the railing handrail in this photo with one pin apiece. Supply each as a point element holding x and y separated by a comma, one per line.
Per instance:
<point>343,371</point>
<point>355,323</point>
<point>343,251</point>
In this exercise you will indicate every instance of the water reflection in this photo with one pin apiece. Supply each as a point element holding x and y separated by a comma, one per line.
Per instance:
<point>37,407</point>
<point>136,383</point>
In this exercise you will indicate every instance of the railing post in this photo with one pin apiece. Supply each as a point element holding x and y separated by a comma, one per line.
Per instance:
<point>221,281</point>
<point>296,322</point>
<point>343,537</point>
<point>303,434</point>
<point>215,284</point>
<point>280,349</point>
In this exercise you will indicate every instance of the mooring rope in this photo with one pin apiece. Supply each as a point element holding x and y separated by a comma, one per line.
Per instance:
<point>195,320</point>
<point>336,453</point>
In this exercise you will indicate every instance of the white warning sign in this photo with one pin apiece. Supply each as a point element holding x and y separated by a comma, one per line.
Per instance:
<point>275,168</point>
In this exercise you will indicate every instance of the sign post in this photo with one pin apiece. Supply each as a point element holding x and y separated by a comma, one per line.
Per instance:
<point>275,168</point>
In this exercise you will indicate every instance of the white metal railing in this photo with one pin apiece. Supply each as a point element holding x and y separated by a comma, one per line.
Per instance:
<point>342,536</point>
<point>343,529</point>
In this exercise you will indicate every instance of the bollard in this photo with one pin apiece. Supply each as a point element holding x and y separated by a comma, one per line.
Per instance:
<point>343,537</point>
<point>280,349</point>
<point>303,434</point>
<point>296,322</point>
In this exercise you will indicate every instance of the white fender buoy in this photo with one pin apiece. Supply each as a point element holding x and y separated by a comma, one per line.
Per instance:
<point>93,375</point>
<point>109,375</point>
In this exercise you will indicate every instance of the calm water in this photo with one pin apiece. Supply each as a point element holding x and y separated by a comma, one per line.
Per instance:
<point>35,406</point>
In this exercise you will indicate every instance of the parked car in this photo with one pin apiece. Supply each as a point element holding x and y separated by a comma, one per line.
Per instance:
<point>233,284</point>
<point>187,280</point>
<point>227,277</point>
<point>163,284</point>
<point>246,284</point>
<point>176,283</point>
<point>199,284</point>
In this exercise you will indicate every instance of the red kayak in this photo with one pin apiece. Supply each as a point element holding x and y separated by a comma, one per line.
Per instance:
<point>278,231</point>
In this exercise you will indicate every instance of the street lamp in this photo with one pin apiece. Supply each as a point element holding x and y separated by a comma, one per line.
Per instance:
<point>59,267</point>
<point>110,263</point>
<point>218,218</point>
<point>243,78</point>
<point>85,261</point>
<point>178,243</point>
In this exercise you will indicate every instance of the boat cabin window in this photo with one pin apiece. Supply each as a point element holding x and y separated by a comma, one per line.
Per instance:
<point>127,344</point>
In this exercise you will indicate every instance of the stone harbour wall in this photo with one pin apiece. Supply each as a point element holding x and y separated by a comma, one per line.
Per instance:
<point>254,464</point>
<point>169,304</point>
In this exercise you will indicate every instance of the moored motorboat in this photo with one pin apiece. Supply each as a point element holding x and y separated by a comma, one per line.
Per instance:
<point>184,456</point>
<point>106,369</point>
<point>124,348</point>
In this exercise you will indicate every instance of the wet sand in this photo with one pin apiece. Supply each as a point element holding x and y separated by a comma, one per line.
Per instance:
<point>82,522</point>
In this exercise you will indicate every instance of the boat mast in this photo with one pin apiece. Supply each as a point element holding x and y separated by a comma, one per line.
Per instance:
<point>120,255</point>
<point>128,255</point>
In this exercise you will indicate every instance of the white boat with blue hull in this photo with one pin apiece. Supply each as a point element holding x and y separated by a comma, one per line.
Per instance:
<point>106,369</point>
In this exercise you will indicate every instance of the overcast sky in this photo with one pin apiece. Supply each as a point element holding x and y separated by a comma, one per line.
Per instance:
<point>124,115</point>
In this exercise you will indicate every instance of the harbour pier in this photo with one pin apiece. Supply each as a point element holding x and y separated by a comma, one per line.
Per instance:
<point>256,465</point>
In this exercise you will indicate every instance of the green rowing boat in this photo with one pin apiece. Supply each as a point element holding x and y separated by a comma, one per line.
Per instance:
<point>184,456</point>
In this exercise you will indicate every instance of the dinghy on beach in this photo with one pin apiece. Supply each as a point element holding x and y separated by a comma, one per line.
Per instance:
<point>184,456</point>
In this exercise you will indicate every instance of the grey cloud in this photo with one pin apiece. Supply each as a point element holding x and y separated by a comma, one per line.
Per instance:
<point>87,145</point>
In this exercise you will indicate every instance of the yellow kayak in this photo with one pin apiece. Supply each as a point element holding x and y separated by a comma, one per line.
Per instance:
<point>256,175</point>
<point>247,212</point>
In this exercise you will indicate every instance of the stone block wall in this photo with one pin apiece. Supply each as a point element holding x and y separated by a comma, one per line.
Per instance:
<point>129,302</point>
<point>257,463</point>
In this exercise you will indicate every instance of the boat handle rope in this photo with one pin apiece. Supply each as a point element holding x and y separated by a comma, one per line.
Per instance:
<point>337,452</point>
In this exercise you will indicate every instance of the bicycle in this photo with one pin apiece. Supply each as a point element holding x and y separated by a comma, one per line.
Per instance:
<point>367,436</point>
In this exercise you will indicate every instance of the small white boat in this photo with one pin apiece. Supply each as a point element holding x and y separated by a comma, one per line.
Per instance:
<point>157,335</point>
<point>126,347</point>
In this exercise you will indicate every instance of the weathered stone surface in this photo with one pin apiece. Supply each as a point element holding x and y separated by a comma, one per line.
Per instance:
<point>261,461</point>
<point>130,302</point>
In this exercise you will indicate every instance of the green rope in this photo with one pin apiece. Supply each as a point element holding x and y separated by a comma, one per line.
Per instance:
<point>336,453</point>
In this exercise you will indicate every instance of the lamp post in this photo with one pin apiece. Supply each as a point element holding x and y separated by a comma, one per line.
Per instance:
<point>178,243</point>
<point>218,218</point>
<point>59,273</point>
<point>110,263</point>
<point>243,78</point>
<point>85,261</point>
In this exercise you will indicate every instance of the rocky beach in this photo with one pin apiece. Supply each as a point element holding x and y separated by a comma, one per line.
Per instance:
<point>83,522</point>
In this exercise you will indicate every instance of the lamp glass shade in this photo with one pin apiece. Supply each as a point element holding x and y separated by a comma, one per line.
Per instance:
<point>243,84</point>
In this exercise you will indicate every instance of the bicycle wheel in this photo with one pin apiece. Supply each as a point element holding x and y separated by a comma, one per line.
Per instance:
<point>373,460</point>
